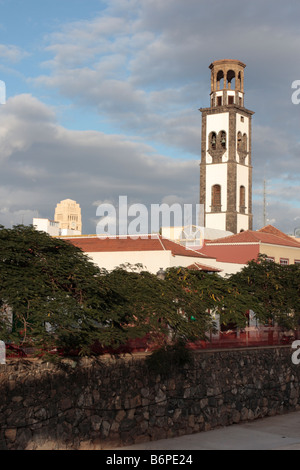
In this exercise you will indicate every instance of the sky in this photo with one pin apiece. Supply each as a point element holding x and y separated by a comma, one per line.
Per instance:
<point>103,98</point>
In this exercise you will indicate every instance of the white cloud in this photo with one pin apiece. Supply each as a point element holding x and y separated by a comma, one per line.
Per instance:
<point>143,67</point>
<point>45,159</point>
<point>12,53</point>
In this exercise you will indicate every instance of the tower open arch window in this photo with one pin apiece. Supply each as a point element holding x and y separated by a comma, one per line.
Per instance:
<point>220,80</point>
<point>222,139</point>
<point>231,79</point>
<point>212,141</point>
<point>216,198</point>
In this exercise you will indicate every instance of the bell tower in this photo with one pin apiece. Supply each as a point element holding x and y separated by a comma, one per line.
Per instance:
<point>225,169</point>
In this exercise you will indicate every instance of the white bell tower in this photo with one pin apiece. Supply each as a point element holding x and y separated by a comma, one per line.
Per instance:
<point>225,169</point>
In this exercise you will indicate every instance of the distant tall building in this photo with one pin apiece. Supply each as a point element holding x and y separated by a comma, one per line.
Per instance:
<point>226,171</point>
<point>68,214</point>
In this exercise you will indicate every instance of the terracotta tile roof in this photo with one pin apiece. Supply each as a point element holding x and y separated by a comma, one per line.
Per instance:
<point>267,235</point>
<point>275,231</point>
<point>92,244</point>
<point>203,267</point>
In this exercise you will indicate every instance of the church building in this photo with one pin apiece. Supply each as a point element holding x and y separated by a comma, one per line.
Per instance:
<point>225,169</point>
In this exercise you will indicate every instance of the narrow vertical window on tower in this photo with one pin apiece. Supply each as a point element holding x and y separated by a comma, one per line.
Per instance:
<point>242,199</point>
<point>245,142</point>
<point>216,198</point>
<point>239,141</point>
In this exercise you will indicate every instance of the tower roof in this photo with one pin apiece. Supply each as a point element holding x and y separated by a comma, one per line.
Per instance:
<point>227,62</point>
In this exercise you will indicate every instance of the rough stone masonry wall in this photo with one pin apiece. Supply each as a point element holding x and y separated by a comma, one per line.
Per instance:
<point>102,404</point>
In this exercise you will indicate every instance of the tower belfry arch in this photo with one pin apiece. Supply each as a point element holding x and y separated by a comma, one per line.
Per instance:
<point>226,168</point>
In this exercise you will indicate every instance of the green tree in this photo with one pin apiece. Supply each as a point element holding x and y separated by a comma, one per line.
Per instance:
<point>52,288</point>
<point>274,291</point>
<point>204,294</point>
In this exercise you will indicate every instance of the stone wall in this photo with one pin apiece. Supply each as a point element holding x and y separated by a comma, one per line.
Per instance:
<point>107,403</point>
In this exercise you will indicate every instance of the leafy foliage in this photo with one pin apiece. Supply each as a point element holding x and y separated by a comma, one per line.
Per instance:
<point>273,291</point>
<point>60,299</point>
<point>51,287</point>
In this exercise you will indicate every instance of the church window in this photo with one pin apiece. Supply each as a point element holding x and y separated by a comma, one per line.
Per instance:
<point>242,199</point>
<point>223,139</point>
<point>216,197</point>
<point>239,141</point>
<point>245,143</point>
<point>213,140</point>
<point>220,80</point>
<point>231,79</point>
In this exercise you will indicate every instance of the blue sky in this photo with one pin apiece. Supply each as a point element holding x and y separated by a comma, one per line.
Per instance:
<point>103,99</point>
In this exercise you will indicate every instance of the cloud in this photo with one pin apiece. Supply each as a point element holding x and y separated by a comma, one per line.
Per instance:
<point>12,53</point>
<point>142,68</point>
<point>42,158</point>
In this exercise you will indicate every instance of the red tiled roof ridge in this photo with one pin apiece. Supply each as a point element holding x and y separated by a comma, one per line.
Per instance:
<point>202,267</point>
<point>241,237</point>
<point>128,243</point>
<point>260,236</point>
<point>275,231</point>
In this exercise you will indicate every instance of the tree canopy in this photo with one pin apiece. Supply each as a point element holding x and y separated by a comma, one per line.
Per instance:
<point>60,299</point>
<point>273,290</point>
<point>51,287</point>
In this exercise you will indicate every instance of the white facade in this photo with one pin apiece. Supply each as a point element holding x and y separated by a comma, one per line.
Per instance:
<point>52,227</point>
<point>46,225</point>
<point>69,231</point>
<point>153,261</point>
<point>217,173</point>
